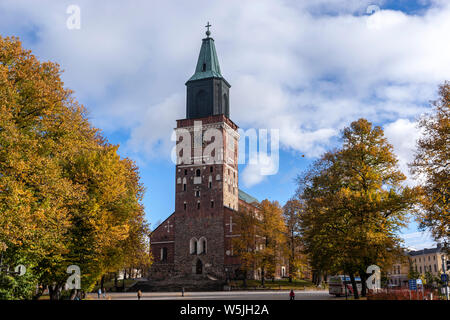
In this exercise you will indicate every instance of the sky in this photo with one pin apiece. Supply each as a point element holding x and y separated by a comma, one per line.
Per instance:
<point>305,68</point>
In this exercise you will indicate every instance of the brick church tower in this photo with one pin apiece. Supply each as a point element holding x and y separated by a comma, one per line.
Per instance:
<point>196,238</point>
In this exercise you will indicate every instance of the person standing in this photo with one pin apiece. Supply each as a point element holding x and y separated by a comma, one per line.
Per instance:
<point>139,294</point>
<point>292,295</point>
<point>99,292</point>
<point>104,293</point>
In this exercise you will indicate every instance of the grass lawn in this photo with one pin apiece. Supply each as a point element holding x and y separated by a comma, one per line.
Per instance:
<point>276,285</point>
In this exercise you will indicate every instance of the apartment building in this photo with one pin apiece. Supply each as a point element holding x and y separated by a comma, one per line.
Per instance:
<point>428,259</point>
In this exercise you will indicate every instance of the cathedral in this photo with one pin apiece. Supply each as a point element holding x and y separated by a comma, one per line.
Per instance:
<point>196,238</point>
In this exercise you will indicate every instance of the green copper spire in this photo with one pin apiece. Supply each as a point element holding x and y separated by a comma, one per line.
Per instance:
<point>208,63</point>
<point>207,92</point>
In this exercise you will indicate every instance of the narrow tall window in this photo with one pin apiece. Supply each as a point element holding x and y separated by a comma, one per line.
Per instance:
<point>163,254</point>
<point>212,204</point>
<point>197,172</point>
<point>198,205</point>
<point>184,205</point>
<point>211,169</point>
<point>193,246</point>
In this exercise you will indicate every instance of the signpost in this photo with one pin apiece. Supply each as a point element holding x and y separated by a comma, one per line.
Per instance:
<point>419,282</point>
<point>412,286</point>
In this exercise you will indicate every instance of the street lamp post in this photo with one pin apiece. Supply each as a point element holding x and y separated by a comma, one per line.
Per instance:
<point>444,271</point>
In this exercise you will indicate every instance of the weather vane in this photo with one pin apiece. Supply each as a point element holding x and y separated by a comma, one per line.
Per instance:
<point>207,31</point>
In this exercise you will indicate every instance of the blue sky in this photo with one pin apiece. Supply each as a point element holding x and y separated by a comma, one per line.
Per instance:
<point>306,68</point>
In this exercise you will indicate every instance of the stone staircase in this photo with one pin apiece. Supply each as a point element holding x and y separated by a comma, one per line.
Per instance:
<point>190,283</point>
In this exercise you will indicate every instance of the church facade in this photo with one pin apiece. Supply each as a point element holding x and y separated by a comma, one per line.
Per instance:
<point>197,237</point>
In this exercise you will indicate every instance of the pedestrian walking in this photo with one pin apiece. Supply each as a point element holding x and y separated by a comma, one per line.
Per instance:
<point>104,293</point>
<point>292,295</point>
<point>139,294</point>
<point>99,292</point>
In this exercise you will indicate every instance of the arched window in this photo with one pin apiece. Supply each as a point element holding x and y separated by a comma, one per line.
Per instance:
<point>202,245</point>
<point>193,246</point>
<point>197,172</point>
<point>184,184</point>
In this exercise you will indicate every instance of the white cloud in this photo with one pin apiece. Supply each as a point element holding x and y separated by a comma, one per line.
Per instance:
<point>403,135</point>
<point>307,68</point>
<point>418,240</point>
<point>258,168</point>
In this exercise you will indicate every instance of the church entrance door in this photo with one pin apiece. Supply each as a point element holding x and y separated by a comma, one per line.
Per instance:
<point>199,267</point>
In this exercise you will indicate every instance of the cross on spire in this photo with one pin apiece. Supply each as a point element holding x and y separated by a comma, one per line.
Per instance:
<point>207,31</point>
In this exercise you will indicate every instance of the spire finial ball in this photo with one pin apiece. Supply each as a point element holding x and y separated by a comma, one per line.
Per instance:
<point>207,31</point>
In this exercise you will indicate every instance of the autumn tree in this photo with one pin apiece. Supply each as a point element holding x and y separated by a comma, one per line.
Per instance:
<point>272,231</point>
<point>245,244</point>
<point>66,196</point>
<point>292,211</point>
<point>355,203</point>
<point>432,166</point>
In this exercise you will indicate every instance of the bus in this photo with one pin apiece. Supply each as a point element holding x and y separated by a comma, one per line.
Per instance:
<point>338,283</point>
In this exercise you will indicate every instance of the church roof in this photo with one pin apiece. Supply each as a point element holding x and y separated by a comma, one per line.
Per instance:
<point>208,63</point>
<point>246,197</point>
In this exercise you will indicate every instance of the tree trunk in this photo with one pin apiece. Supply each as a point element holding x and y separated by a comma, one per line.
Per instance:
<point>73,294</point>
<point>102,282</point>
<point>54,292</point>
<point>39,292</point>
<point>363,276</point>
<point>354,286</point>
<point>124,277</point>
<point>291,262</point>
<point>115,281</point>
<point>263,278</point>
